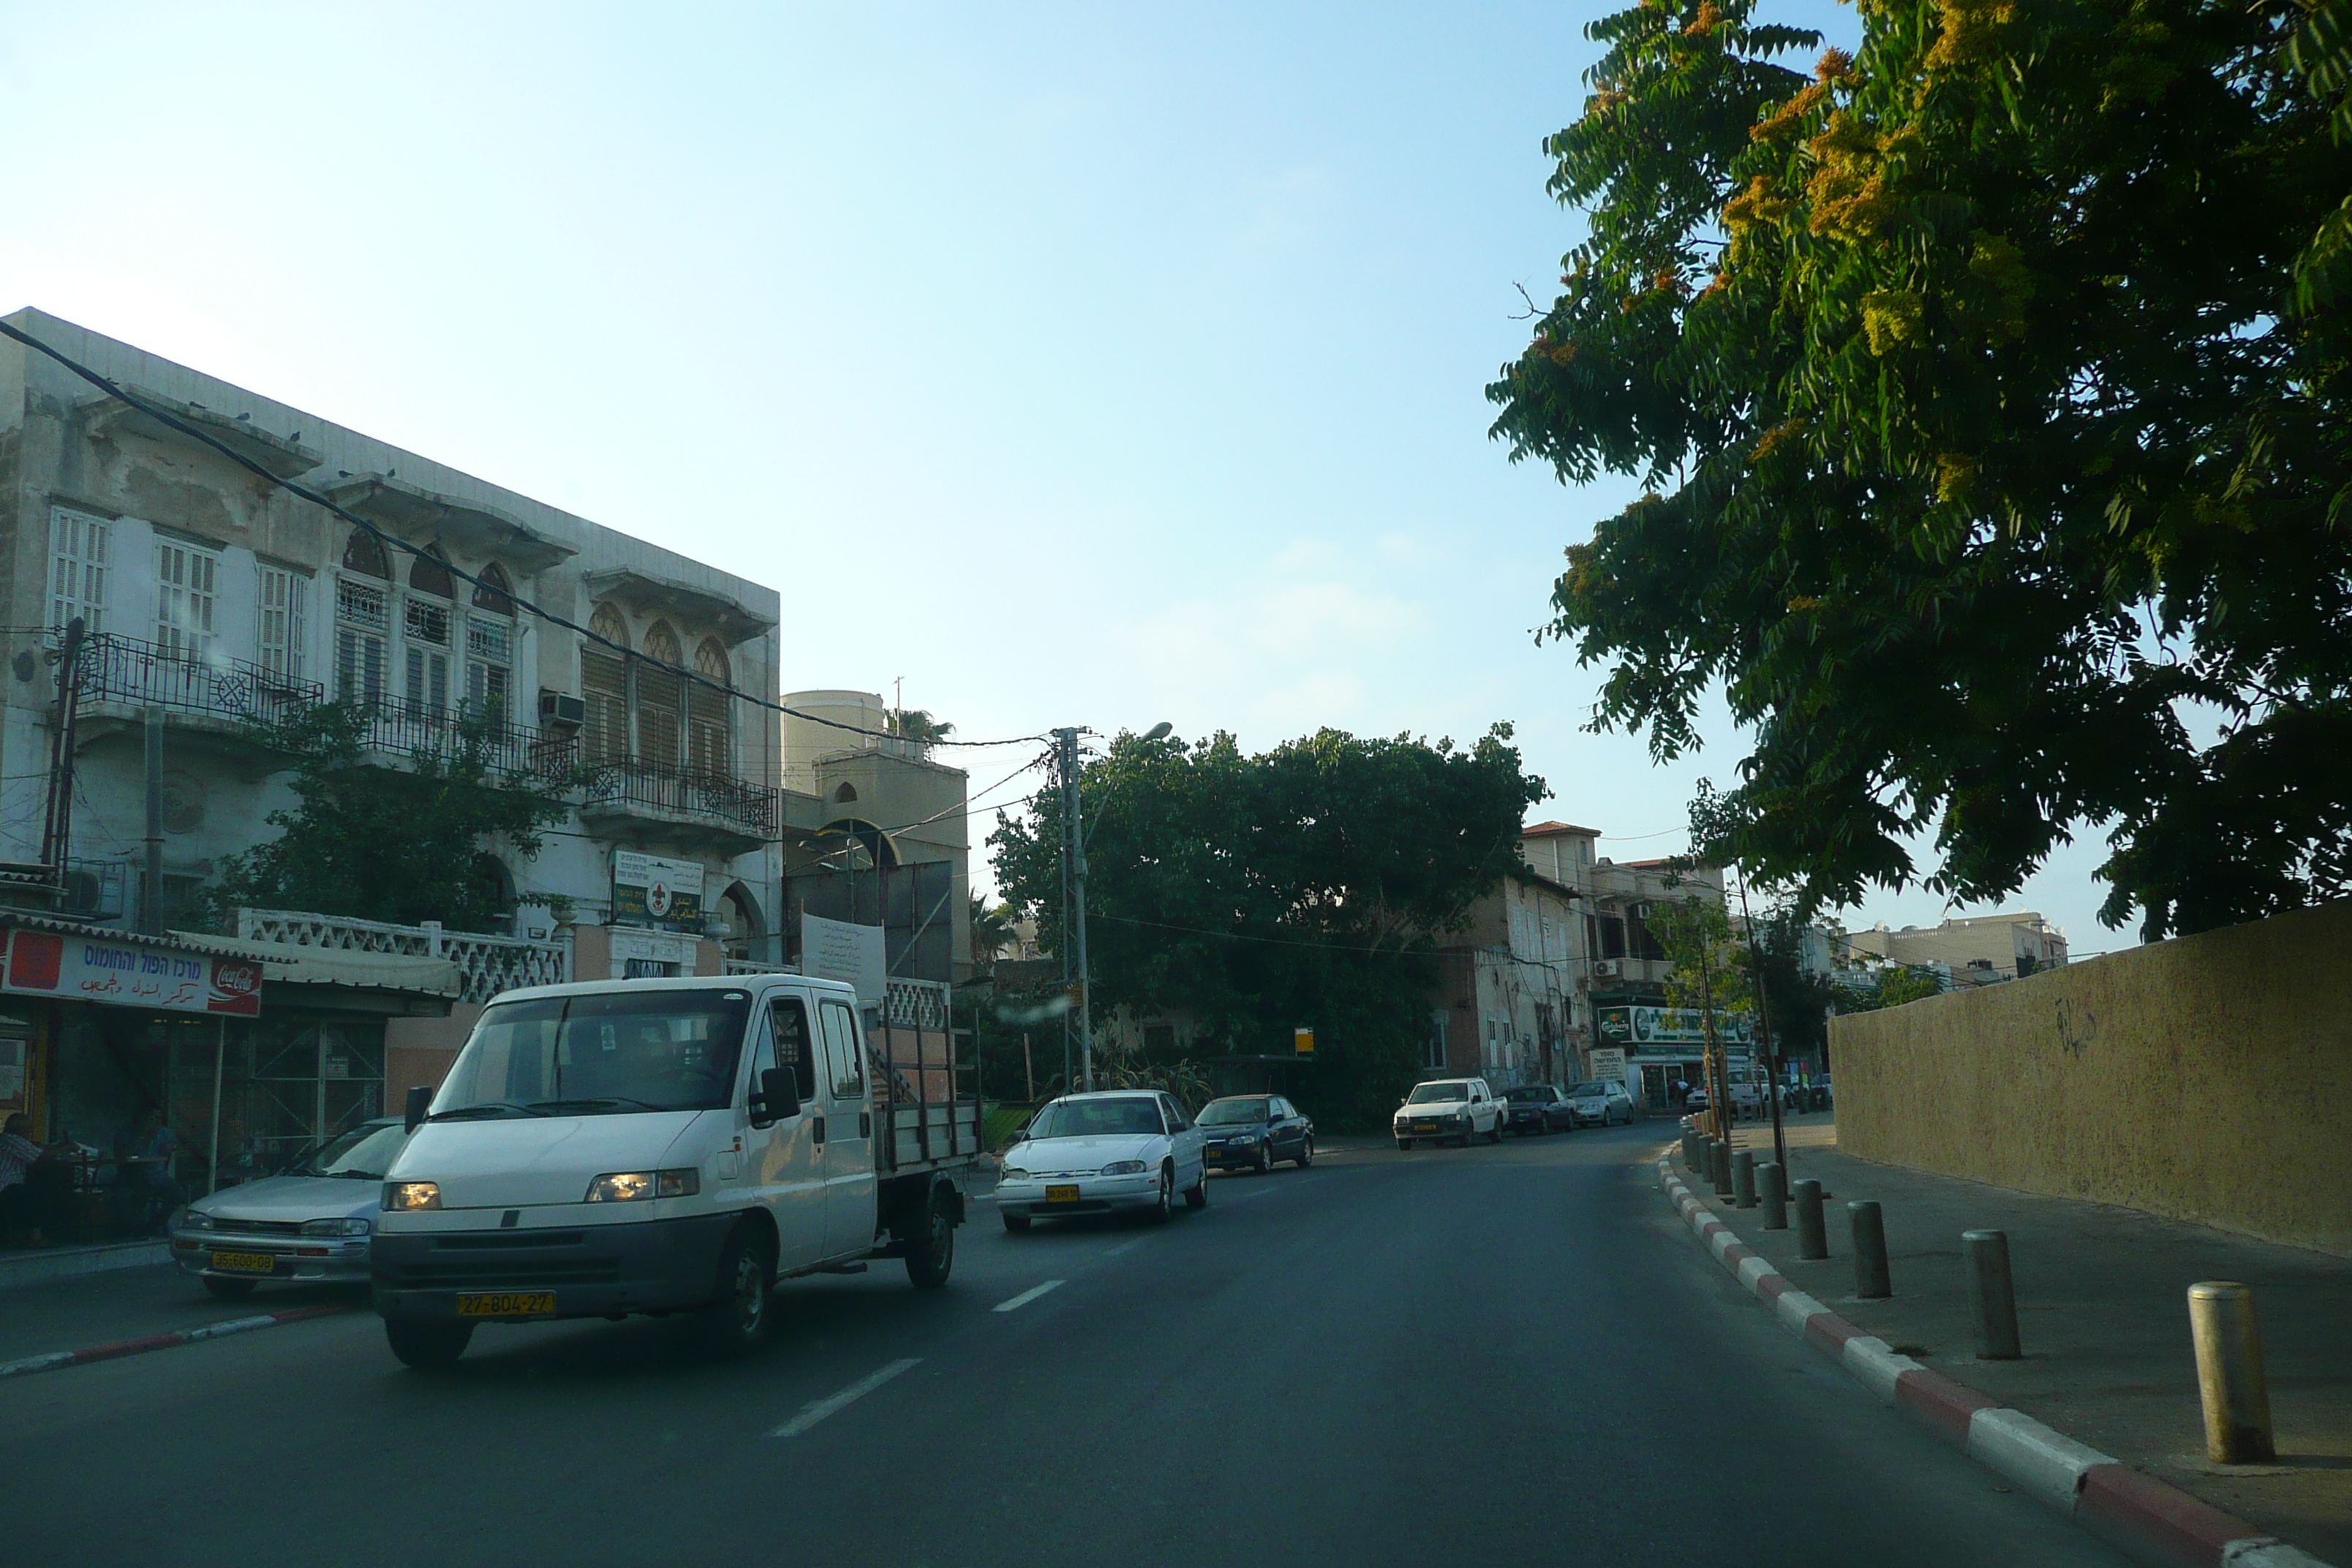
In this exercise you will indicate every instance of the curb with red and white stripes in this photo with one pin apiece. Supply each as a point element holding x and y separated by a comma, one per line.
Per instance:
<point>2151,1521</point>
<point>54,1359</point>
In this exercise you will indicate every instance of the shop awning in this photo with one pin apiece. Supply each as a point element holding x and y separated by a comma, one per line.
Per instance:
<point>281,965</point>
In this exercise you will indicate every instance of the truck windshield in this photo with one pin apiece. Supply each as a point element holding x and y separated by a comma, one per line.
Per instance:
<point>1439,1093</point>
<point>621,1051</point>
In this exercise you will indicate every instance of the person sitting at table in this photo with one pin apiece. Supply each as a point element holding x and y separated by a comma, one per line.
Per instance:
<point>31,1183</point>
<point>145,1193</point>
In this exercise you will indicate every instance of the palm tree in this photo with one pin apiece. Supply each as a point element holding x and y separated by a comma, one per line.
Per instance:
<point>992,931</point>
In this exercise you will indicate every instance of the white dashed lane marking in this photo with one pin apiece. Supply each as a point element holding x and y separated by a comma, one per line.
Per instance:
<point>1023,1299</point>
<point>817,1410</point>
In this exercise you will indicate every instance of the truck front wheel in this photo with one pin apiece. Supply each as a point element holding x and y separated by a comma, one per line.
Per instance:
<point>428,1347</point>
<point>736,1322</point>
<point>931,1251</point>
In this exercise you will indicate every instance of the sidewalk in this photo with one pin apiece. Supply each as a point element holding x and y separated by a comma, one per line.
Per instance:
<point>2105,1323</point>
<point>135,1303</point>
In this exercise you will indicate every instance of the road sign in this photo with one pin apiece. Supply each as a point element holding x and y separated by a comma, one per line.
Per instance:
<point>1302,1041</point>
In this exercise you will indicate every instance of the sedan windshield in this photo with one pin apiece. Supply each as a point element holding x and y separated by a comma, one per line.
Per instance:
<point>599,1054</point>
<point>365,1152</point>
<point>1437,1093</point>
<point>1096,1118</point>
<point>1224,1112</point>
<point>1591,1091</point>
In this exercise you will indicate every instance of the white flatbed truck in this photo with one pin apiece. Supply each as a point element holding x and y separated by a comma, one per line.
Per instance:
<point>666,1146</point>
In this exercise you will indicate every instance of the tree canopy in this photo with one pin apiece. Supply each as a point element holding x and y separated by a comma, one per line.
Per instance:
<point>1304,886</point>
<point>1988,388</point>
<point>401,845</point>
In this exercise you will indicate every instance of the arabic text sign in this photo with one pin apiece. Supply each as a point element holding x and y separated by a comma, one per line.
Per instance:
<point>835,950</point>
<point>658,891</point>
<point>88,969</point>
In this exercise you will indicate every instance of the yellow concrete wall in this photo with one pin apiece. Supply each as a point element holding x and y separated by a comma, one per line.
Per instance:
<point>2209,1079</point>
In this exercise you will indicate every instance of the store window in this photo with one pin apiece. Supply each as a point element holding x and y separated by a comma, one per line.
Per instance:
<point>78,547</point>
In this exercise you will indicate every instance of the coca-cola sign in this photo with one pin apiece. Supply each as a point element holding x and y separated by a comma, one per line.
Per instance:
<point>76,968</point>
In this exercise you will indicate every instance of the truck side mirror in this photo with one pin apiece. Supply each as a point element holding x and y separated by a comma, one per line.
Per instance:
<point>779,1096</point>
<point>420,1105</point>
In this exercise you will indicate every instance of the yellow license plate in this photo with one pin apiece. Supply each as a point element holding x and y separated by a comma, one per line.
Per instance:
<point>1061,1194</point>
<point>245,1262</point>
<point>507,1304</point>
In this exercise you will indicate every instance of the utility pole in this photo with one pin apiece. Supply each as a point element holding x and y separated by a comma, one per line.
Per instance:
<point>1074,907</point>
<point>150,897</point>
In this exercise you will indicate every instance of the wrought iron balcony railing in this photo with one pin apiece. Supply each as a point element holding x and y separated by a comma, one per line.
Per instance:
<point>633,783</point>
<point>147,675</point>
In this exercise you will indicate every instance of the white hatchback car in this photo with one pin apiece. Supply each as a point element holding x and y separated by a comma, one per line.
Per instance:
<point>1094,1154</point>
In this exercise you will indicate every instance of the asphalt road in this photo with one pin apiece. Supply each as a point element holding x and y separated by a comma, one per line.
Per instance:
<point>1442,1356</point>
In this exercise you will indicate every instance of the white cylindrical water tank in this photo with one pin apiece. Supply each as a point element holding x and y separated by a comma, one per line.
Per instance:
<point>807,739</point>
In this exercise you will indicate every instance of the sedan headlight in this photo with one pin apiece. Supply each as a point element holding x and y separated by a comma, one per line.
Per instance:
<point>1015,1173</point>
<point>627,1186</point>
<point>336,1226</point>
<point>189,1219</point>
<point>408,1197</point>
<point>1123,1168</point>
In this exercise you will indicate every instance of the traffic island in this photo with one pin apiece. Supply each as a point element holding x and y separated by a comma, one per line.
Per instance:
<point>2099,1415</point>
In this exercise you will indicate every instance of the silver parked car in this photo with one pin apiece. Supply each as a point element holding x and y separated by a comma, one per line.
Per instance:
<point>1602,1104</point>
<point>310,1224</point>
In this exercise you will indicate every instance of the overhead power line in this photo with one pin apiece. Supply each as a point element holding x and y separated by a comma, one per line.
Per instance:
<point>165,416</point>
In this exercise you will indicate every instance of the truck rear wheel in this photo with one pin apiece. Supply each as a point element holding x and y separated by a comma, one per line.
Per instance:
<point>428,1347</point>
<point>930,1252</point>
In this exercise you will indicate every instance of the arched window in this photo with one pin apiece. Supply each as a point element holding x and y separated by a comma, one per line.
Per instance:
<point>494,592</point>
<point>604,684</point>
<point>709,728</point>
<point>428,573</point>
<point>490,647</point>
<point>363,621</point>
<point>425,640</point>
<point>661,691</point>
<point>363,555</point>
<point>845,793</point>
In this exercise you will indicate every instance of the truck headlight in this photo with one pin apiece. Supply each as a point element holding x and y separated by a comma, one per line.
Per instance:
<point>628,1186</point>
<point>1123,1168</point>
<point>337,1227</point>
<point>408,1197</point>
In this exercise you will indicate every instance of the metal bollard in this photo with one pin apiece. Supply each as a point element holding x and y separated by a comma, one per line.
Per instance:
<point>1870,1277</point>
<point>1719,1167</point>
<point>1775,1182</point>
<point>1813,1234</point>
<point>1992,1294</point>
<point>1690,1151</point>
<point>2230,1382</point>
<point>1743,1179</point>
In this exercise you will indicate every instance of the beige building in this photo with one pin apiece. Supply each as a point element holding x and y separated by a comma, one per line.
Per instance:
<point>1978,950</point>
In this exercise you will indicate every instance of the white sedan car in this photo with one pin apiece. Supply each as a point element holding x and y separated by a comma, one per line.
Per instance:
<point>1093,1154</point>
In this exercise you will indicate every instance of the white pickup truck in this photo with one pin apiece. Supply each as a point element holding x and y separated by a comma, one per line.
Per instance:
<point>1460,1108</point>
<point>664,1146</point>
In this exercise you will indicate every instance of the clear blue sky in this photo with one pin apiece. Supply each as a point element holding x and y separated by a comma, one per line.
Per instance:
<point>1077,365</point>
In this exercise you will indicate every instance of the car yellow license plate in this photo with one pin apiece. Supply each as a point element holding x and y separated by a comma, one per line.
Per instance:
<point>245,1262</point>
<point>1424,1127</point>
<point>507,1304</point>
<point>1062,1195</point>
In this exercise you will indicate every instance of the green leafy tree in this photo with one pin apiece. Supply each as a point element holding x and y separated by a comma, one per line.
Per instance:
<point>1898,983</point>
<point>991,930</point>
<point>404,844</point>
<point>1306,885</point>
<point>1988,388</point>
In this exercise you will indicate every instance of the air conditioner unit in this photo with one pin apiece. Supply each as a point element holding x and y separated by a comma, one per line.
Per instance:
<point>1607,969</point>
<point>560,710</point>
<point>93,892</point>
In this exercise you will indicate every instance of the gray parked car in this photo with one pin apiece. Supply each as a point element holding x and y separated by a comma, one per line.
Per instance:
<point>1602,1104</point>
<point>309,1223</point>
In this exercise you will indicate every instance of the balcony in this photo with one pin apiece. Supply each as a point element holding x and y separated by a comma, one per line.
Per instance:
<point>226,700</point>
<point>629,797</point>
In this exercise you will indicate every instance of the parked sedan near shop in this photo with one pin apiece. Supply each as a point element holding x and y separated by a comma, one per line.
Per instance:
<point>1251,1132</point>
<point>1098,1153</point>
<point>1538,1108</point>
<point>310,1224</point>
<point>1603,1104</point>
